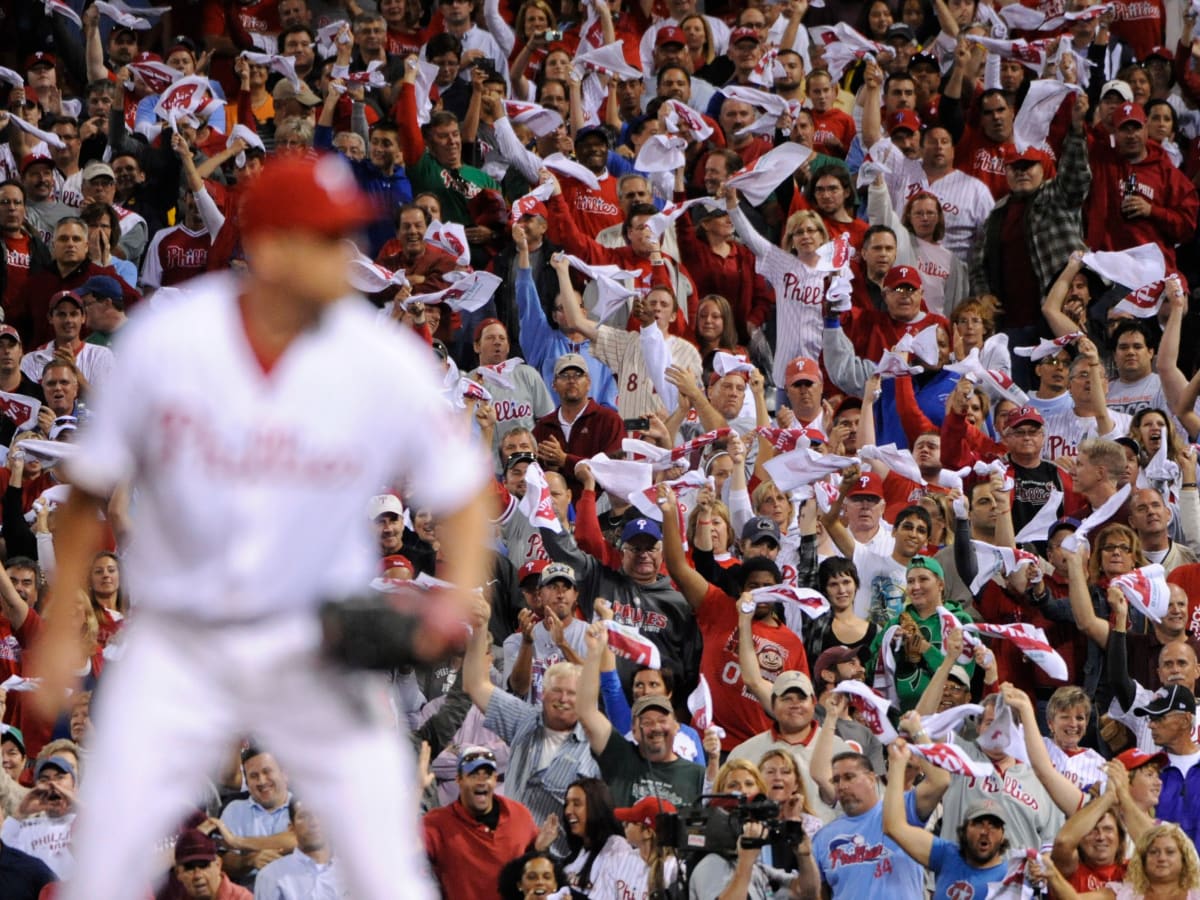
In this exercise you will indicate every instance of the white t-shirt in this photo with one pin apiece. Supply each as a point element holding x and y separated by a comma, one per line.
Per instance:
<point>1129,397</point>
<point>881,586</point>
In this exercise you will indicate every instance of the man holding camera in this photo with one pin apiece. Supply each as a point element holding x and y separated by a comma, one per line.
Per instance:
<point>714,878</point>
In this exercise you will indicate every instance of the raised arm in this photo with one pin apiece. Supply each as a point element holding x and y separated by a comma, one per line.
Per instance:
<point>573,312</point>
<point>691,583</point>
<point>871,95</point>
<point>1174,383</point>
<point>587,702</point>
<point>1052,307</point>
<point>839,533</point>
<point>758,686</point>
<point>1066,843</point>
<point>1062,790</point>
<point>1081,599</point>
<point>916,842</point>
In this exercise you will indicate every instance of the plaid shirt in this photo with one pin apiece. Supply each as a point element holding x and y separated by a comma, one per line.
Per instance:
<point>539,784</point>
<point>1053,225</point>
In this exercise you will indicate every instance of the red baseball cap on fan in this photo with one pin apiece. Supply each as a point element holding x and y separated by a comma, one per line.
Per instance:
<point>670,34</point>
<point>904,119</point>
<point>802,369</point>
<point>869,484</point>
<point>902,275</point>
<point>297,193</point>
<point>1129,112</point>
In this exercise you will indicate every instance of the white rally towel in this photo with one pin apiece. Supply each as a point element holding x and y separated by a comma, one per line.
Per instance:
<point>1161,471</point>
<point>17,683</point>
<point>947,722</point>
<point>187,95</point>
<point>844,46</point>
<point>666,217</point>
<point>811,603</point>
<point>1013,886</point>
<point>537,504</point>
<point>1038,528</point>
<point>122,16</point>
<point>282,65</point>
<point>657,355</point>
<point>953,759</point>
<point>757,180</point>
<point>993,560</point>
<point>527,204</point>
<point>498,374</point>
<point>1031,126</point>
<point>451,237</point>
<point>556,162</point>
<point>49,137</point>
<point>1047,348</point>
<point>23,410</point>
<point>1031,641</point>
<point>1146,589</point>
<point>1134,268</point>
<point>251,138</point>
<point>785,440</point>
<point>1031,54</point>
<point>768,69</point>
<point>540,120</point>
<point>8,76</point>
<point>835,255</point>
<point>468,293</point>
<point>700,705</point>
<point>997,383</point>
<point>327,36</point>
<point>61,8</point>
<point>627,643</point>
<point>473,390</point>
<point>897,459</point>
<point>683,117</point>
<point>607,60</point>
<point>608,280</point>
<point>1107,510</point>
<point>156,76</point>
<point>892,365</point>
<point>804,466</point>
<point>661,153</point>
<point>622,477</point>
<point>872,709</point>
<point>686,486</point>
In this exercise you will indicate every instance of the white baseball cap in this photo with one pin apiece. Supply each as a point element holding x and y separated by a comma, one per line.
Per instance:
<point>384,503</point>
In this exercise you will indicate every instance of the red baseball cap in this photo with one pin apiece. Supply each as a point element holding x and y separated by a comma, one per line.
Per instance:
<point>396,561</point>
<point>41,58</point>
<point>531,568</point>
<point>902,275</point>
<point>1129,112</point>
<point>670,34</point>
<point>904,118</point>
<point>298,193</point>
<point>744,33</point>
<point>1023,414</point>
<point>147,56</point>
<point>1135,758</point>
<point>1160,53</point>
<point>33,159</point>
<point>1029,154</point>
<point>869,484</point>
<point>645,811</point>
<point>10,332</point>
<point>802,369</point>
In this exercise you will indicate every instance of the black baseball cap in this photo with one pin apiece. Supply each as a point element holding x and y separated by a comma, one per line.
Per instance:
<point>519,458</point>
<point>761,528</point>
<point>1175,698</point>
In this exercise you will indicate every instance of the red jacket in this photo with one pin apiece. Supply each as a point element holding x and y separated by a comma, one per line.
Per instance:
<point>30,312</point>
<point>1174,203</point>
<point>598,429</point>
<point>467,856</point>
<point>872,331</point>
<point>732,277</point>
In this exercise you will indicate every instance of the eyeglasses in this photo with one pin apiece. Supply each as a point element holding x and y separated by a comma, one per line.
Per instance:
<point>641,551</point>
<point>196,865</point>
<point>571,375</point>
<point>1025,432</point>
<point>903,289</point>
<point>1123,549</point>
<point>478,755</point>
<point>1053,362</point>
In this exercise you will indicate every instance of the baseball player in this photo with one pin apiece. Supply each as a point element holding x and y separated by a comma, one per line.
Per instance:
<point>247,453</point>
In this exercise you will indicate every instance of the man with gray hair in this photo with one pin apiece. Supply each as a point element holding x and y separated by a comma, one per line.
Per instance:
<point>549,747</point>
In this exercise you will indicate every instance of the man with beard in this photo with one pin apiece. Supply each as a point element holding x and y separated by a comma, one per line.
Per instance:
<point>554,635</point>
<point>648,768</point>
<point>981,854</point>
<point>549,747</point>
<point>469,841</point>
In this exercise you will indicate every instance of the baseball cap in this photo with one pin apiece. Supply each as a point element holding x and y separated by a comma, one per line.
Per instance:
<point>672,34</point>
<point>959,674</point>
<point>40,58</point>
<point>14,734</point>
<point>182,42</point>
<point>1121,87</point>
<point>518,458</point>
<point>396,561</point>
<point>902,275</point>
<point>1029,154</point>
<point>596,130</point>
<point>869,484</point>
<point>835,656</point>
<point>194,846</point>
<point>284,90</point>
<point>980,809</point>
<point>900,31</point>
<point>1175,698</point>
<point>639,527</point>
<point>926,562</point>
<point>744,33</point>
<point>65,296</point>
<point>1060,524</point>
<point>1128,443</point>
<point>54,762</point>
<point>1129,112</point>
<point>924,59</point>
<point>33,159</point>
<point>557,571</point>
<point>7,331</point>
<point>97,169</point>
<point>903,119</point>
<point>531,568</point>
<point>147,56</point>
<point>652,701</point>
<point>1023,414</point>
<point>101,286</point>
<point>1159,52</point>
<point>761,528</point>
<point>802,369</point>
<point>570,361</point>
<point>1134,758</point>
<point>646,811</point>
<point>792,680</point>
<point>299,193</point>
<point>474,758</point>
<point>382,504</point>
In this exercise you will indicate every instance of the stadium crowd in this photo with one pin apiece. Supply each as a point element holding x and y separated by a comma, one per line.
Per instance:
<point>841,381</point>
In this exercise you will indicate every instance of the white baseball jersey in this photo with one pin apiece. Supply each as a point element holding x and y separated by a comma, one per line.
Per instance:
<point>1064,431</point>
<point>621,351</point>
<point>232,462</point>
<point>69,188</point>
<point>799,292</point>
<point>618,871</point>
<point>1084,768</point>
<point>966,201</point>
<point>93,360</point>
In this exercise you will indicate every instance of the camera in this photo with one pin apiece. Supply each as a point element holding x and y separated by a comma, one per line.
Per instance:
<point>699,830</point>
<point>551,35</point>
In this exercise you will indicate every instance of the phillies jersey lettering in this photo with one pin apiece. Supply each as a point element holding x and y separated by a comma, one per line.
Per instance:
<point>1010,786</point>
<point>642,619</point>
<point>1128,12</point>
<point>802,290</point>
<point>507,410</point>
<point>853,850</point>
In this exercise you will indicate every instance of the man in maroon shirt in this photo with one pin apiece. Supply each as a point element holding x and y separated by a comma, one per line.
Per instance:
<point>30,314</point>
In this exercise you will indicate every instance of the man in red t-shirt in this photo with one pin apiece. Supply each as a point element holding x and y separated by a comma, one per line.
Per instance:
<point>23,250</point>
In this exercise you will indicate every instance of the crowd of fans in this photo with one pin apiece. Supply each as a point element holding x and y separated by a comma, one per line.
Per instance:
<point>838,368</point>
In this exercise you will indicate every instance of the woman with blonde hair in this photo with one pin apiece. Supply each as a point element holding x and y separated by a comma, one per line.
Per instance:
<point>799,286</point>
<point>719,521</point>
<point>786,786</point>
<point>974,324</point>
<point>698,34</point>
<point>1164,866</point>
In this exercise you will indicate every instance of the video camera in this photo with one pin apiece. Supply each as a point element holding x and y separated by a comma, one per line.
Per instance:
<point>700,829</point>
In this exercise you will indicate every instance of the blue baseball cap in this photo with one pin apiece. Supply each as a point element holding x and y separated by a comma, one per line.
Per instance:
<point>101,286</point>
<point>639,527</point>
<point>472,759</point>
